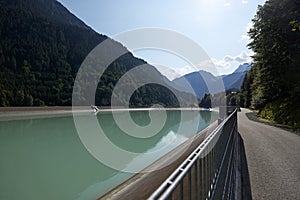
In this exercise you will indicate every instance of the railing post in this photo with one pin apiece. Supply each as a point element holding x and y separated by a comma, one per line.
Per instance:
<point>222,113</point>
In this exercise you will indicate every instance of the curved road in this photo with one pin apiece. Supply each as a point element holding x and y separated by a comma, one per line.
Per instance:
<point>273,157</point>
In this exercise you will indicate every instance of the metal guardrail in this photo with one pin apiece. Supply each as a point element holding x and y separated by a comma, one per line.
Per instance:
<point>209,171</point>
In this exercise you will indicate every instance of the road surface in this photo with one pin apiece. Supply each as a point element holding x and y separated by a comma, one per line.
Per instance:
<point>273,157</point>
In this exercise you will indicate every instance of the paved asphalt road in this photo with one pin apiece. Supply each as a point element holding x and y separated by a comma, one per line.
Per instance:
<point>273,157</point>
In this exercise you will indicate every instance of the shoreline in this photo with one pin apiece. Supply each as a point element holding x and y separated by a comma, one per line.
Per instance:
<point>16,113</point>
<point>70,108</point>
<point>19,113</point>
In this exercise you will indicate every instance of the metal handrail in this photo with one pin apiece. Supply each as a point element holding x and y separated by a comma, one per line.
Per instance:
<point>208,145</point>
<point>222,163</point>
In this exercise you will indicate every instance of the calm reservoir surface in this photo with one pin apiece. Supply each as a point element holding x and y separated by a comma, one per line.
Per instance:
<point>44,158</point>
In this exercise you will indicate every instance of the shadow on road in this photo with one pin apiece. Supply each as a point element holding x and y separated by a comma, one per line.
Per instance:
<point>246,187</point>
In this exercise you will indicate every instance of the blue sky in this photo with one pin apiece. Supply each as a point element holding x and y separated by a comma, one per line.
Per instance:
<point>218,26</point>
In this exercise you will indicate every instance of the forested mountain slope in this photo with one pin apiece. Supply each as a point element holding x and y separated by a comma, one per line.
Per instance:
<point>42,45</point>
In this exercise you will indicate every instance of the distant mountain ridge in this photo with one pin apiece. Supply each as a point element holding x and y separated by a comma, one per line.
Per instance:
<point>243,68</point>
<point>203,82</point>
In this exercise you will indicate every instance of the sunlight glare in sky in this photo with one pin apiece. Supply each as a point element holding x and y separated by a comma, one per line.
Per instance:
<point>218,26</point>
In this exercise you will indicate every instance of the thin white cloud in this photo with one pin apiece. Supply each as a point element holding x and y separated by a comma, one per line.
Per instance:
<point>245,37</point>
<point>169,72</point>
<point>229,61</point>
<point>227,4</point>
<point>174,72</point>
<point>217,67</point>
<point>249,26</point>
<point>186,69</point>
<point>221,63</point>
<point>244,1</point>
<point>242,57</point>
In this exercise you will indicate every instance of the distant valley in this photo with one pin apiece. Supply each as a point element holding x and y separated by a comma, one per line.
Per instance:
<point>203,82</point>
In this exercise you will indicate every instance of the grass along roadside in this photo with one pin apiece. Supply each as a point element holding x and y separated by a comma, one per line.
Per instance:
<point>253,116</point>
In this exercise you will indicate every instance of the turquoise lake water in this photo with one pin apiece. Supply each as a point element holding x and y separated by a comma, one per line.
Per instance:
<point>45,159</point>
